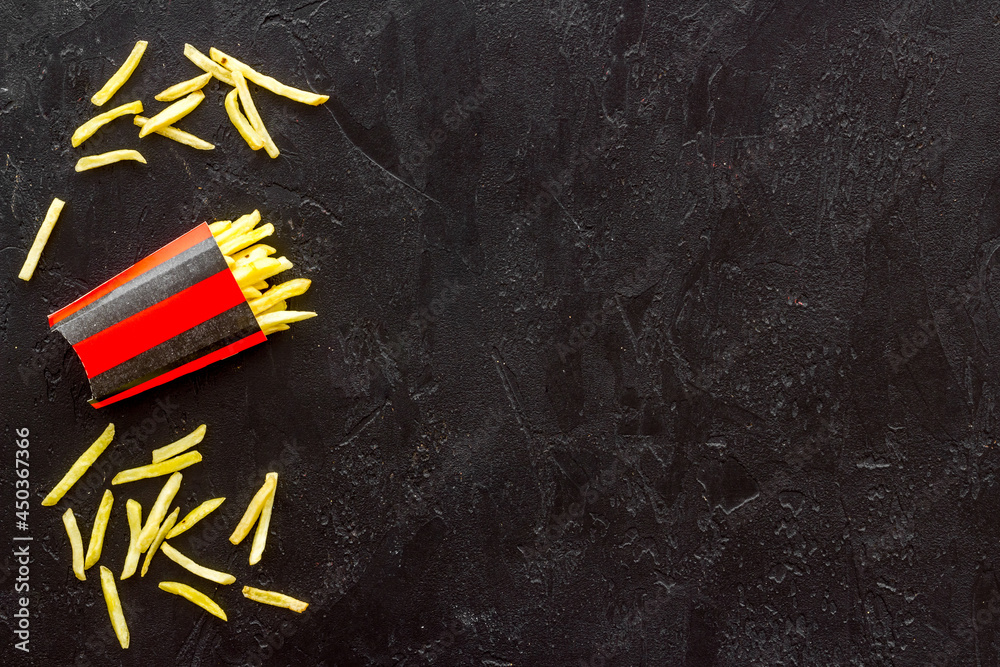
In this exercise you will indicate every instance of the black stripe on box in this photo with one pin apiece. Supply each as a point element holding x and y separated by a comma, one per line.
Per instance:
<point>225,328</point>
<point>148,289</point>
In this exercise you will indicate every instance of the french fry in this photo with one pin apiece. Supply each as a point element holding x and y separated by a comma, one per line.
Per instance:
<point>220,226</point>
<point>159,511</point>
<point>229,261</point>
<point>77,470</point>
<point>274,328</point>
<point>194,568</point>
<point>187,442</point>
<point>251,293</point>
<point>284,317</point>
<point>87,130</point>
<point>119,78</point>
<point>275,599</point>
<point>285,290</point>
<point>179,90</point>
<point>261,269</point>
<point>194,596</point>
<point>276,308</point>
<point>180,136</point>
<point>161,535</point>
<point>243,125</point>
<point>96,544</point>
<point>242,224</point>
<point>95,161</point>
<point>248,255</point>
<point>172,113</point>
<point>263,522</point>
<point>157,469</point>
<point>240,242</point>
<point>253,510</point>
<point>114,606</point>
<point>209,65</point>
<point>262,286</point>
<point>41,238</point>
<point>256,248</point>
<point>264,81</point>
<point>195,515</point>
<point>251,113</point>
<point>75,543</point>
<point>134,511</point>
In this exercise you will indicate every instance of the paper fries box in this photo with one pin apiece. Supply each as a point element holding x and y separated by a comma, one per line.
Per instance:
<point>175,311</point>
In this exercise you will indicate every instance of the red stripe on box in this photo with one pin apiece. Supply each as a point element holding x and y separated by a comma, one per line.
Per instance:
<point>159,323</point>
<point>189,367</point>
<point>172,249</point>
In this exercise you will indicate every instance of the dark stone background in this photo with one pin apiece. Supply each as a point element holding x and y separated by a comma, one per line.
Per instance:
<point>670,345</point>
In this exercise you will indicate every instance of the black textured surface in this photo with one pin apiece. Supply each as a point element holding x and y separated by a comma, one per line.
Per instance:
<point>650,334</point>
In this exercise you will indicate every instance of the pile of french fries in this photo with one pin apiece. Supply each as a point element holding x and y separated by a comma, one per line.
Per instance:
<point>150,536</point>
<point>185,97</point>
<point>252,266</point>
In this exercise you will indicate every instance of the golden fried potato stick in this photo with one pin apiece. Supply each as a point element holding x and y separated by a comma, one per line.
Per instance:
<point>179,90</point>
<point>276,599</point>
<point>283,317</point>
<point>274,328</point>
<point>264,522</point>
<point>161,535</point>
<point>285,290</point>
<point>134,511</point>
<point>95,161</point>
<point>262,269</point>
<point>75,543</point>
<point>159,511</point>
<point>77,470</point>
<point>251,293</point>
<point>253,510</point>
<point>119,78</point>
<point>157,469</point>
<point>251,112</point>
<point>41,238</point>
<point>181,446</point>
<point>243,125</point>
<point>194,568</point>
<point>255,252</point>
<point>172,113</point>
<point>277,308</point>
<point>194,596</point>
<point>229,261</point>
<point>242,224</point>
<point>237,243</point>
<point>114,606</point>
<point>262,286</point>
<point>219,226</point>
<point>87,130</point>
<point>264,81</point>
<point>207,64</point>
<point>97,532</point>
<point>180,136</point>
<point>195,515</point>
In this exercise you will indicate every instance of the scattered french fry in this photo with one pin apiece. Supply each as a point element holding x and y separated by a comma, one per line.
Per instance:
<point>95,161</point>
<point>275,599</point>
<point>161,535</point>
<point>264,81</point>
<point>187,442</point>
<point>207,64</point>
<point>88,129</point>
<point>75,543</point>
<point>194,568</point>
<point>172,113</point>
<point>285,290</point>
<point>180,136</point>
<point>96,544</point>
<point>119,78</point>
<point>157,469</point>
<point>253,510</point>
<point>81,466</point>
<point>195,515</point>
<point>41,238</point>
<point>264,522</point>
<point>159,511</point>
<point>179,90</point>
<point>195,596</point>
<point>114,606</point>
<point>251,113</point>
<point>243,125</point>
<point>134,511</point>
